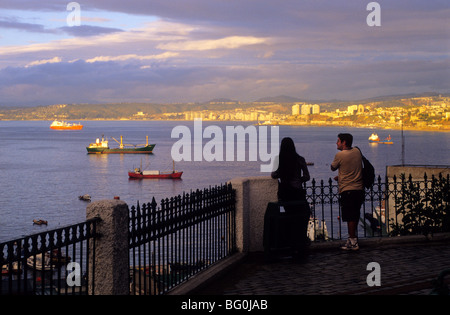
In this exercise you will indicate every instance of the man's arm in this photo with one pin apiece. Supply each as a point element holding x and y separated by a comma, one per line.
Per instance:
<point>335,164</point>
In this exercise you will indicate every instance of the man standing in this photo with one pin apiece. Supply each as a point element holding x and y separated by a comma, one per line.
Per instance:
<point>351,187</point>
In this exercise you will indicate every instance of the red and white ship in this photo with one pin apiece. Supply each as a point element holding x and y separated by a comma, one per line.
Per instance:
<point>139,173</point>
<point>62,125</point>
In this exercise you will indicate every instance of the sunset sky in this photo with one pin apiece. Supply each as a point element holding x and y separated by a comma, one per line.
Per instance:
<point>198,50</point>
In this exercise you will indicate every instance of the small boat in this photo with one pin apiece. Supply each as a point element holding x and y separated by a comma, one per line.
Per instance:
<point>59,258</point>
<point>375,139</point>
<point>15,270</point>
<point>102,147</point>
<point>139,173</point>
<point>85,197</point>
<point>62,125</point>
<point>38,263</point>
<point>40,222</point>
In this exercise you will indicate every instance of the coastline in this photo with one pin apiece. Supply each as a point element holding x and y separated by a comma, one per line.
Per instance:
<point>277,123</point>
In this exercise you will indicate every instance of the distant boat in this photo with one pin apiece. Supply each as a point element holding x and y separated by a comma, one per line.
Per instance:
<point>40,222</point>
<point>85,197</point>
<point>138,173</point>
<point>266,123</point>
<point>41,262</point>
<point>102,147</point>
<point>62,125</point>
<point>375,139</point>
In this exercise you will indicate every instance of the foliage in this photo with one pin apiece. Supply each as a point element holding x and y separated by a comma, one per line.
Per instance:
<point>422,207</point>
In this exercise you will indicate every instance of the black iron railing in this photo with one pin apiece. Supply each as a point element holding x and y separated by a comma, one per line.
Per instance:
<point>326,223</point>
<point>54,262</point>
<point>186,234</point>
<point>397,206</point>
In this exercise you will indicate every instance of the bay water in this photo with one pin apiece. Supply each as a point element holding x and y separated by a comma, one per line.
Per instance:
<point>43,171</point>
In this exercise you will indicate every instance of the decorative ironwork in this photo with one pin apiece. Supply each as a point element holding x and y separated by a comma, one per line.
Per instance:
<point>186,234</point>
<point>40,264</point>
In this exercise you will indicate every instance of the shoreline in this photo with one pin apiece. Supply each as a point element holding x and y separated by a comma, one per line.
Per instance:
<point>396,128</point>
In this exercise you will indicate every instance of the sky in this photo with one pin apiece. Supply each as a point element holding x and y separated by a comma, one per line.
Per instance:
<point>169,51</point>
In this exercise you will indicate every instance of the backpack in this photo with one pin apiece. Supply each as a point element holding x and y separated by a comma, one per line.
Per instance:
<point>368,171</point>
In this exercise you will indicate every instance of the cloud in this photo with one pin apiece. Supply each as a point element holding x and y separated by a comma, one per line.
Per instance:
<point>113,81</point>
<point>202,49</point>
<point>148,35</point>
<point>161,56</point>
<point>12,23</point>
<point>88,30</point>
<point>231,42</point>
<point>41,62</point>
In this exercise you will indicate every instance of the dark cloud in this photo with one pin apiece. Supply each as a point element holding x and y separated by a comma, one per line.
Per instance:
<point>88,30</point>
<point>81,82</point>
<point>82,30</point>
<point>12,23</point>
<point>309,49</point>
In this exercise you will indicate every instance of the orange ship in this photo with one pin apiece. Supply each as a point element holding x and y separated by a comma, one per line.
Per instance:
<point>62,125</point>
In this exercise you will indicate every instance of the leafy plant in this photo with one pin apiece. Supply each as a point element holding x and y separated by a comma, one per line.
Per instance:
<point>422,210</point>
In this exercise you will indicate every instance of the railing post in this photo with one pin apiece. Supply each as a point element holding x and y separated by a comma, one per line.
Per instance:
<point>111,248</point>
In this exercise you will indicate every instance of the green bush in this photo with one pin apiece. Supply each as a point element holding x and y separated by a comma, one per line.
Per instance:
<point>422,210</point>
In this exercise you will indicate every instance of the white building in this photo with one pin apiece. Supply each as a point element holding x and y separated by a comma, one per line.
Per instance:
<point>310,109</point>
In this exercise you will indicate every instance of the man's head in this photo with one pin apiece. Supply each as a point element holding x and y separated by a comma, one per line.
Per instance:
<point>344,141</point>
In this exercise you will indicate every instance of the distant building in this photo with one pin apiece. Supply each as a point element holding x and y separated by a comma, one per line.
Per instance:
<point>355,109</point>
<point>352,109</point>
<point>295,109</point>
<point>315,109</point>
<point>310,109</point>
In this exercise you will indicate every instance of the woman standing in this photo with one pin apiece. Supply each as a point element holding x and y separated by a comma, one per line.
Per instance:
<point>292,172</point>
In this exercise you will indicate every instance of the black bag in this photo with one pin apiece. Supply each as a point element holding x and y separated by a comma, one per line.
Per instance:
<point>368,171</point>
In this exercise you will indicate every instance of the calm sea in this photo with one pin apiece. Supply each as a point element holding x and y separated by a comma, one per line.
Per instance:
<point>43,171</point>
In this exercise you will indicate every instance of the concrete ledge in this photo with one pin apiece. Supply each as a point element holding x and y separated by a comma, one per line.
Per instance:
<point>208,275</point>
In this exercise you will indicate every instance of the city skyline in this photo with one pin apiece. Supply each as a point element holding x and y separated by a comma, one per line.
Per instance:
<point>194,51</point>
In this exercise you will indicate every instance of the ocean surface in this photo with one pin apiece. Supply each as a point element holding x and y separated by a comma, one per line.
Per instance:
<point>43,171</point>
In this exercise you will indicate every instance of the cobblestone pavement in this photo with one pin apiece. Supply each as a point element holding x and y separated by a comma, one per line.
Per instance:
<point>404,269</point>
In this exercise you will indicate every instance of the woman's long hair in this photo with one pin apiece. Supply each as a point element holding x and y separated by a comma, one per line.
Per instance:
<point>288,158</point>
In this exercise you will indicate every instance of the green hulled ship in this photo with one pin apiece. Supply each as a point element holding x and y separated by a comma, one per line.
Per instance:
<point>102,147</point>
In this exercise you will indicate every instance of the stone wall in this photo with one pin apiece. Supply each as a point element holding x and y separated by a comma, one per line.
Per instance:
<point>252,196</point>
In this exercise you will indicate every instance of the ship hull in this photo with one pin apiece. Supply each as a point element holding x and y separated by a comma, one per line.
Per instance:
<point>77,127</point>
<point>174,175</point>
<point>141,150</point>
<point>381,141</point>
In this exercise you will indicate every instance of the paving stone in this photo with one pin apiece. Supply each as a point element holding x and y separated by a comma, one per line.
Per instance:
<point>405,269</point>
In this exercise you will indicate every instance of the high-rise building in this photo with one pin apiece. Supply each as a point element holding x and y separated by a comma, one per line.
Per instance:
<point>310,109</point>
<point>315,109</point>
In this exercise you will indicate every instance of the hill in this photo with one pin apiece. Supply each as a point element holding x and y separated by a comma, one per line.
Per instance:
<point>278,104</point>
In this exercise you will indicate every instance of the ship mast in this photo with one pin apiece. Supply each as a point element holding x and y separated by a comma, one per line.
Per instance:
<point>403,141</point>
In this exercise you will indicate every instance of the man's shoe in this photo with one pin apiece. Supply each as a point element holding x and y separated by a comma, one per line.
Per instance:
<point>350,245</point>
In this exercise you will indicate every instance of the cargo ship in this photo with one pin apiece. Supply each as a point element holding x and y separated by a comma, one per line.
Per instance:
<point>102,147</point>
<point>62,125</point>
<point>138,173</point>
